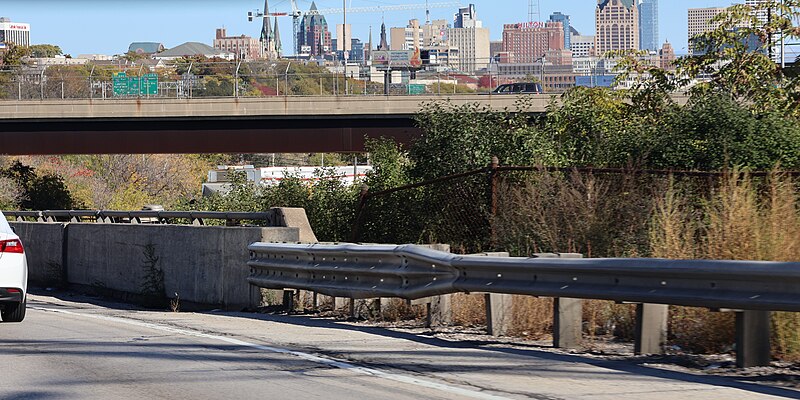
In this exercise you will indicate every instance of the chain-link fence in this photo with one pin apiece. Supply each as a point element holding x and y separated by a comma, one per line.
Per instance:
<point>526,210</point>
<point>454,210</point>
<point>190,79</point>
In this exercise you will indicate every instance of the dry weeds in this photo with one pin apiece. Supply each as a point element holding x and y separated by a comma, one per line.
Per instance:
<point>746,219</point>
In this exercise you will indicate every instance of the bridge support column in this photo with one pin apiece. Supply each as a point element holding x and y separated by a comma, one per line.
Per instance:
<point>567,323</point>
<point>651,328</point>
<point>753,339</point>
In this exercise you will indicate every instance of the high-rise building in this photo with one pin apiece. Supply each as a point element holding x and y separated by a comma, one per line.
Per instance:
<point>617,26</point>
<point>526,43</point>
<point>565,22</point>
<point>408,38</point>
<point>495,47</point>
<point>357,50</point>
<point>759,11</point>
<point>243,47</point>
<point>17,33</point>
<point>314,38</point>
<point>667,56</point>
<point>648,25</point>
<point>434,34</point>
<point>700,22</point>
<point>471,40</point>
<point>582,45</point>
<point>467,18</point>
<point>762,14</point>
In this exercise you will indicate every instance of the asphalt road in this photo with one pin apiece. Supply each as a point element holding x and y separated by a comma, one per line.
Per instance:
<point>76,350</point>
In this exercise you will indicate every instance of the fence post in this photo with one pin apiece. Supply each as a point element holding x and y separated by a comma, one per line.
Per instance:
<point>362,202</point>
<point>752,339</point>
<point>493,200</point>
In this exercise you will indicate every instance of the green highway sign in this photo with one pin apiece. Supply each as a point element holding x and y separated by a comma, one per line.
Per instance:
<point>416,89</point>
<point>146,85</point>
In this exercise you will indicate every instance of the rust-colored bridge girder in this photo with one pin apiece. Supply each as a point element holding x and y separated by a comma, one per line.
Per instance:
<point>200,135</point>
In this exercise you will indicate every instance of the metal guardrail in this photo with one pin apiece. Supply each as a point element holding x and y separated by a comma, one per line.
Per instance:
<point>140,217</point>
<point>413,272</point>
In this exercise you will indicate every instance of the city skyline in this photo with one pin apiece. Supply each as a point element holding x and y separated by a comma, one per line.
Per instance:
<point>111,25</point>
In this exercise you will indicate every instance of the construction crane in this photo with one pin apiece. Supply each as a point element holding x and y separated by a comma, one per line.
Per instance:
<point>297,14</point>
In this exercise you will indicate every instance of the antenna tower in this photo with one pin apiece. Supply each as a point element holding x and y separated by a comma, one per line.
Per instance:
<point>427,13</point>
<point>534,11</point>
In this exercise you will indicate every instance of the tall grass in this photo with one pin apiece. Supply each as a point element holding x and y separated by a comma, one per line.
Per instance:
<point>745,219</point>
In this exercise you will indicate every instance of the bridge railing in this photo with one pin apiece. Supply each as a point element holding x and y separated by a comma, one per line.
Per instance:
<point>144,217</point>
<point>95,80</point>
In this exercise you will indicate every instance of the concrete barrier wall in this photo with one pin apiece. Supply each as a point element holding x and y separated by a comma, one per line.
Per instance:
<point>202,264</point>
<point>44,251</point>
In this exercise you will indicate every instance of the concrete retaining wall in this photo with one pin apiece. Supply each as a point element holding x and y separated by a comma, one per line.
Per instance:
<point>44,246</point>
<point>202,264</point>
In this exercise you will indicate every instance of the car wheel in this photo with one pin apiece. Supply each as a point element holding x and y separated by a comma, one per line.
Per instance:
<point>14,312</point>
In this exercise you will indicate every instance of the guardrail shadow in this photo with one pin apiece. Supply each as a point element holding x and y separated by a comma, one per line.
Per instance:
<point>630,365</point>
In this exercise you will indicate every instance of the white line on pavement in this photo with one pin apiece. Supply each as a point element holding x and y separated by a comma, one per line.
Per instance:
<point>305,356</point>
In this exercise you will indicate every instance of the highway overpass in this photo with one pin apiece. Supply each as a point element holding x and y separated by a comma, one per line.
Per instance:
<point>218,125</point>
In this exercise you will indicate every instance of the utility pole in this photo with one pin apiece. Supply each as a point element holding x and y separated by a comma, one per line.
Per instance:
<point>345,45</point>
<point>783,38</point>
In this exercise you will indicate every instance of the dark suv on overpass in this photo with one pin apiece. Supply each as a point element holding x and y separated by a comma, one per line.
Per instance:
<point>519,88</point>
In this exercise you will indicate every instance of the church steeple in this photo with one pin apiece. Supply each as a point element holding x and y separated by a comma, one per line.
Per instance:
<point>267,38</point>
<point>384,46</point>
<point>368,52</point>
<point>278,46</point>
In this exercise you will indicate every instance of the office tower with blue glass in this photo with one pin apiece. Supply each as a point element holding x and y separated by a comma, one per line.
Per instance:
<point>648,25</point>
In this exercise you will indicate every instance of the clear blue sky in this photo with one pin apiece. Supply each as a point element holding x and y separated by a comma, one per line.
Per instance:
<point>109,26</point>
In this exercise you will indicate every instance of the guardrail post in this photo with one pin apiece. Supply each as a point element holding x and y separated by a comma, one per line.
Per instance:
<point>498,313</point>
<point>499,307</point>
<point>567,316</point>
<point>340,303</point>
<point>651,328</point>
<point>288,300</point>
<point>752,339</point>
<point>440,312</point>
<point>567,323</point>
<point>438,309</point>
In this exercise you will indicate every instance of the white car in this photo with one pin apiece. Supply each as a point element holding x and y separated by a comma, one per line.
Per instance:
<point>13,274</point>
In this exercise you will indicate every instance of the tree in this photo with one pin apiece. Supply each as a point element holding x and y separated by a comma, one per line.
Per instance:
<point>39,192</point>
<point>44,51</point>
<point>14,56</point>
<point>733,60</point>
<point>460,138</point>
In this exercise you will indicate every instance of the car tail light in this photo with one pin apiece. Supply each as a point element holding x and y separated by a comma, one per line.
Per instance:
<point>11,246</point>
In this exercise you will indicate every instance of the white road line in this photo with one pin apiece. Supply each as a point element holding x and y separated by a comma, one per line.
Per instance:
<point>331,362</point>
